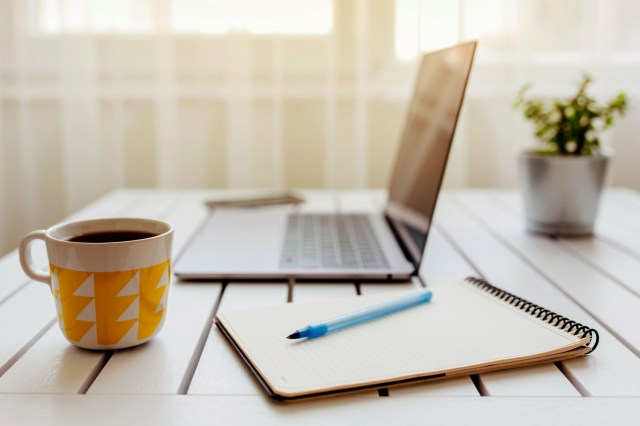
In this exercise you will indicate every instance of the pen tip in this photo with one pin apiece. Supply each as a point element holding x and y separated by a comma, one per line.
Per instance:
<point>295,335</point>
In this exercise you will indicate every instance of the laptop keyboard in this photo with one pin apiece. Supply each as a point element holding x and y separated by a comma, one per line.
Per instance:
<point>327,241</point>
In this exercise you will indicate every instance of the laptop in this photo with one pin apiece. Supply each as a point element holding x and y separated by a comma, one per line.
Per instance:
<point>259,244</point>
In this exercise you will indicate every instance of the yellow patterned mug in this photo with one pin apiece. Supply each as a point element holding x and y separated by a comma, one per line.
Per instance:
<point>109,278</point>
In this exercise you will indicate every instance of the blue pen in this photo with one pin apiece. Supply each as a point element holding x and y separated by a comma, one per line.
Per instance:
<point>362,315</point>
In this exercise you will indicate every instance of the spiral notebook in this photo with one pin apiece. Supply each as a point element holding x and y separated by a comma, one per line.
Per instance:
<point>469,327</point>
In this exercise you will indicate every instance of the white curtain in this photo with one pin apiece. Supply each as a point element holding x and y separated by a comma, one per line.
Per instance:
<point>100,94</point>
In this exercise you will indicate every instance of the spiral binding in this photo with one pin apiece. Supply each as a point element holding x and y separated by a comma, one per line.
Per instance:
<point>563,323</point>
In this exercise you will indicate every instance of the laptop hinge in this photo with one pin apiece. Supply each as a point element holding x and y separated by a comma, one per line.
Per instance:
<point>403,247</point>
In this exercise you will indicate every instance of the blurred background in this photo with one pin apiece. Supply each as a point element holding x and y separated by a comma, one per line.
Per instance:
<point>102,94</point>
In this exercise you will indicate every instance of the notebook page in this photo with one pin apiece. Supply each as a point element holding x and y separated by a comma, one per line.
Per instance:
<point>461,327</point>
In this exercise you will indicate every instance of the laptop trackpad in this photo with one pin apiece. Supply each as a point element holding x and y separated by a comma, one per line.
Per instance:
<point>236,241</point>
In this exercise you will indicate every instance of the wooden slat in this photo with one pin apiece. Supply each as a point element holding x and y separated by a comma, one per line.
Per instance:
<point>304,292</point>
<point>540,380</point>
<point>608,258</point>
<point>622,206</point>
<point>360,201</point>
<point>220,370</point>
<point>12,275</point>
<point>376,288</point>
<point>459,386</point>
<point>251,295</point>
<point>441,262</point>
<point>505,254</point>
<point>625,201</point>
<point>112,204</point>
<point>156,204</point>
<point>70,410</point>
<point>617,222</point>
<point>189,207</point>
<point>618,234</point>
<point>23,318</point>
<point>52,365</point>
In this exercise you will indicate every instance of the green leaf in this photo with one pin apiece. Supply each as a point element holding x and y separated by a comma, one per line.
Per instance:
<point>570,124</point>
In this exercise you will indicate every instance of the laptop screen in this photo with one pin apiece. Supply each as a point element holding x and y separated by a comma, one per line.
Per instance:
<point>425,144</point>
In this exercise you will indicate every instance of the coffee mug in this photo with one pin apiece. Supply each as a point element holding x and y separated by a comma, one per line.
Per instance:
<point>109,278</point>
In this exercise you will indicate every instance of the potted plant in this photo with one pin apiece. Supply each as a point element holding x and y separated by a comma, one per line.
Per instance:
<point>562,179</point>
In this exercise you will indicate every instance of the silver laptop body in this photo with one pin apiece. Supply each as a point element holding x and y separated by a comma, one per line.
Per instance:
<point>276,243</point>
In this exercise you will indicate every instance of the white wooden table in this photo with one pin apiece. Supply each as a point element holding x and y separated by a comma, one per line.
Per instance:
<point>188,374</point>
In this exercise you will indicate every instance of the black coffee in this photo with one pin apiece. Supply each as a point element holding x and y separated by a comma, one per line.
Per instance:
<point>111,236</point>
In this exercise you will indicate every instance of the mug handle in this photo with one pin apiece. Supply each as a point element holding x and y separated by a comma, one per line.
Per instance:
<point>26,261</point>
